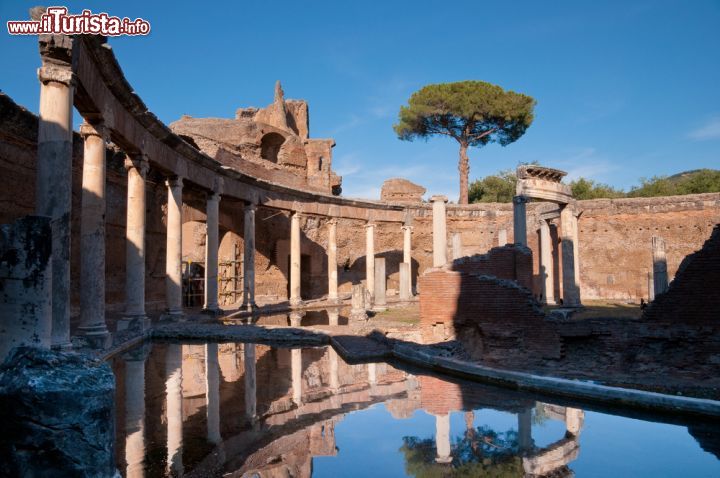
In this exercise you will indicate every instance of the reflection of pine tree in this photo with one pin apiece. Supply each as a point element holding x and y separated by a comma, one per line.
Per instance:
<point>480,452</point>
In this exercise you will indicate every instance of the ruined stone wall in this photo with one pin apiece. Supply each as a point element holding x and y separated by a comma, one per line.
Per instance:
<point>506,262</point>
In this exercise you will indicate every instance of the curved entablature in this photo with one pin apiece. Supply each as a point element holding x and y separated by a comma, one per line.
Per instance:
<point>539,182</point>
<point>103,94</point>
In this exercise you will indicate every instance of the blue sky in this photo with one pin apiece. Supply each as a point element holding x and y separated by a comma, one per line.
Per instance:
<point>625,89</point>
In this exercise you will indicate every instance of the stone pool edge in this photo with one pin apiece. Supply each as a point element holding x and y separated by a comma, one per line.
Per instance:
<point>409,353</point>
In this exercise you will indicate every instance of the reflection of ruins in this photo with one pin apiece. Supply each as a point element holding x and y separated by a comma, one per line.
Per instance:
<point>254,410</point>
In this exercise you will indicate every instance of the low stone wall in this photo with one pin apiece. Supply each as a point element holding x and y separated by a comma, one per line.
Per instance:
<point>507,262</point>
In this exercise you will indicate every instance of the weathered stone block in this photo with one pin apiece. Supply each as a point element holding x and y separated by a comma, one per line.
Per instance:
<point>57,411</point>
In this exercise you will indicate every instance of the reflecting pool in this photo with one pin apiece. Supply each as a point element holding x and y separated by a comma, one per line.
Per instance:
<point>252,410</point>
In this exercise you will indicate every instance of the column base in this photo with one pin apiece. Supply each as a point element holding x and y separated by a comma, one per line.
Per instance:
<point>134,323</point>
<point>212,311</point>
<point>249,307</point>
<point>62,347</point>
<point>172,315</point>
<point>358,315</point>
<point>379,308</point>
<point>334,301</point>
<point>296,302</point>
<point>443,460</point>
<point>95,336</point>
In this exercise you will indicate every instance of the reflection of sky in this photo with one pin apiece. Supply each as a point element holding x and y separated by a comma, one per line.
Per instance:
<point>369,443</point>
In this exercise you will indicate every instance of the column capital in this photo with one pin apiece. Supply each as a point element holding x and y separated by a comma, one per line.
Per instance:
<point>439,197</point>
<point>250,207</point>
<point>213,197</point>
<point>406,228</point>
<point>332,221</point>
<point>58,74</point>
<point>174,182</point>
<point>137,161</point>
<point>93,129</point>
<point>520,199</point>
<point>218,184</point>
<point>369,224</point>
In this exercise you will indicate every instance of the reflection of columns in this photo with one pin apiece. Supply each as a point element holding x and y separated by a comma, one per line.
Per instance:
<point>249,258</point>
<point>407,257</point>
<point>295,298</point>
<point>250,381</point>
<point>212,392</point>
<point>334,376</point>
<point>546,264</point>
<point>370,261</point>
<point>211,253</point>
<point>92,236</point>
<point>525,441</point>
<point>660,275</point>
<point>137,168</point>
<point>571,283</point>
<point>173,261</point>
<point>296,318</point>
<point>296,375</point>
<point>442,438</point>
<point>439,231</point>
<point>574,418</point>
<point>519,220</point>
<point>53,193</point>
<point>174,409</point>
<point>332,261</point>
<point>135,417</point>
<point>372,374</point>
<point>333,317</point>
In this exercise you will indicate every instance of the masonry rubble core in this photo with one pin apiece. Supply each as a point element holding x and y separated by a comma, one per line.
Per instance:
<point>269,205</point>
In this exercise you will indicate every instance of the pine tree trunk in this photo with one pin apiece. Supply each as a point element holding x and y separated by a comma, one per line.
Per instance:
<point>464,169</point>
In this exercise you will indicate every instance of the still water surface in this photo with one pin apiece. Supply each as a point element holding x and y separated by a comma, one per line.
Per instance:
<point>251,410</point>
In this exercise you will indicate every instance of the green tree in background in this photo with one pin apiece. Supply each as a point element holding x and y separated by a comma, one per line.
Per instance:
<point>473,113</point>
<point>588,189</point>
<point>500,187</point>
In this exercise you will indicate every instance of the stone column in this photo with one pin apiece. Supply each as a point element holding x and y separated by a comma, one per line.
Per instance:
<point>250,381</point>
<point>295,297</point>
<point>546,263</point>
<point>404,281</point>
<point>442,438</point>
<point>212,392</point>
<point>525,441</point>
<point>380,284</point>
<point>660,275</point>
<point>211,253</point>
<point>137,168</point>
<point>651,285</point>
<point>358,311</point>
<point>370,261</point>
<point>249,258</point>
<point>520,220</point>
<point>296,318</point>
<point>332,261</point>
<point>571,284</point>
<point>53,193</point>
<point>296,375</point>
<point>333,317</point>
<point>92,237</point>
<point>173,261</point>
<point>456,245</point>
<point>135,414</point>
<point>407,256</point>
<point>174,410</point>
<point>439,231</point>
<point>502,237</point>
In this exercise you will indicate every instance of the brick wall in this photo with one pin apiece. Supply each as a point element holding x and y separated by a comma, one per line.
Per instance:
<point>694,295</point>
<point>505,262</point>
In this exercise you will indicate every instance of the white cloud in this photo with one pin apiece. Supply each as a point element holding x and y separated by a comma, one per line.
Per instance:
<point>710,130</point>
